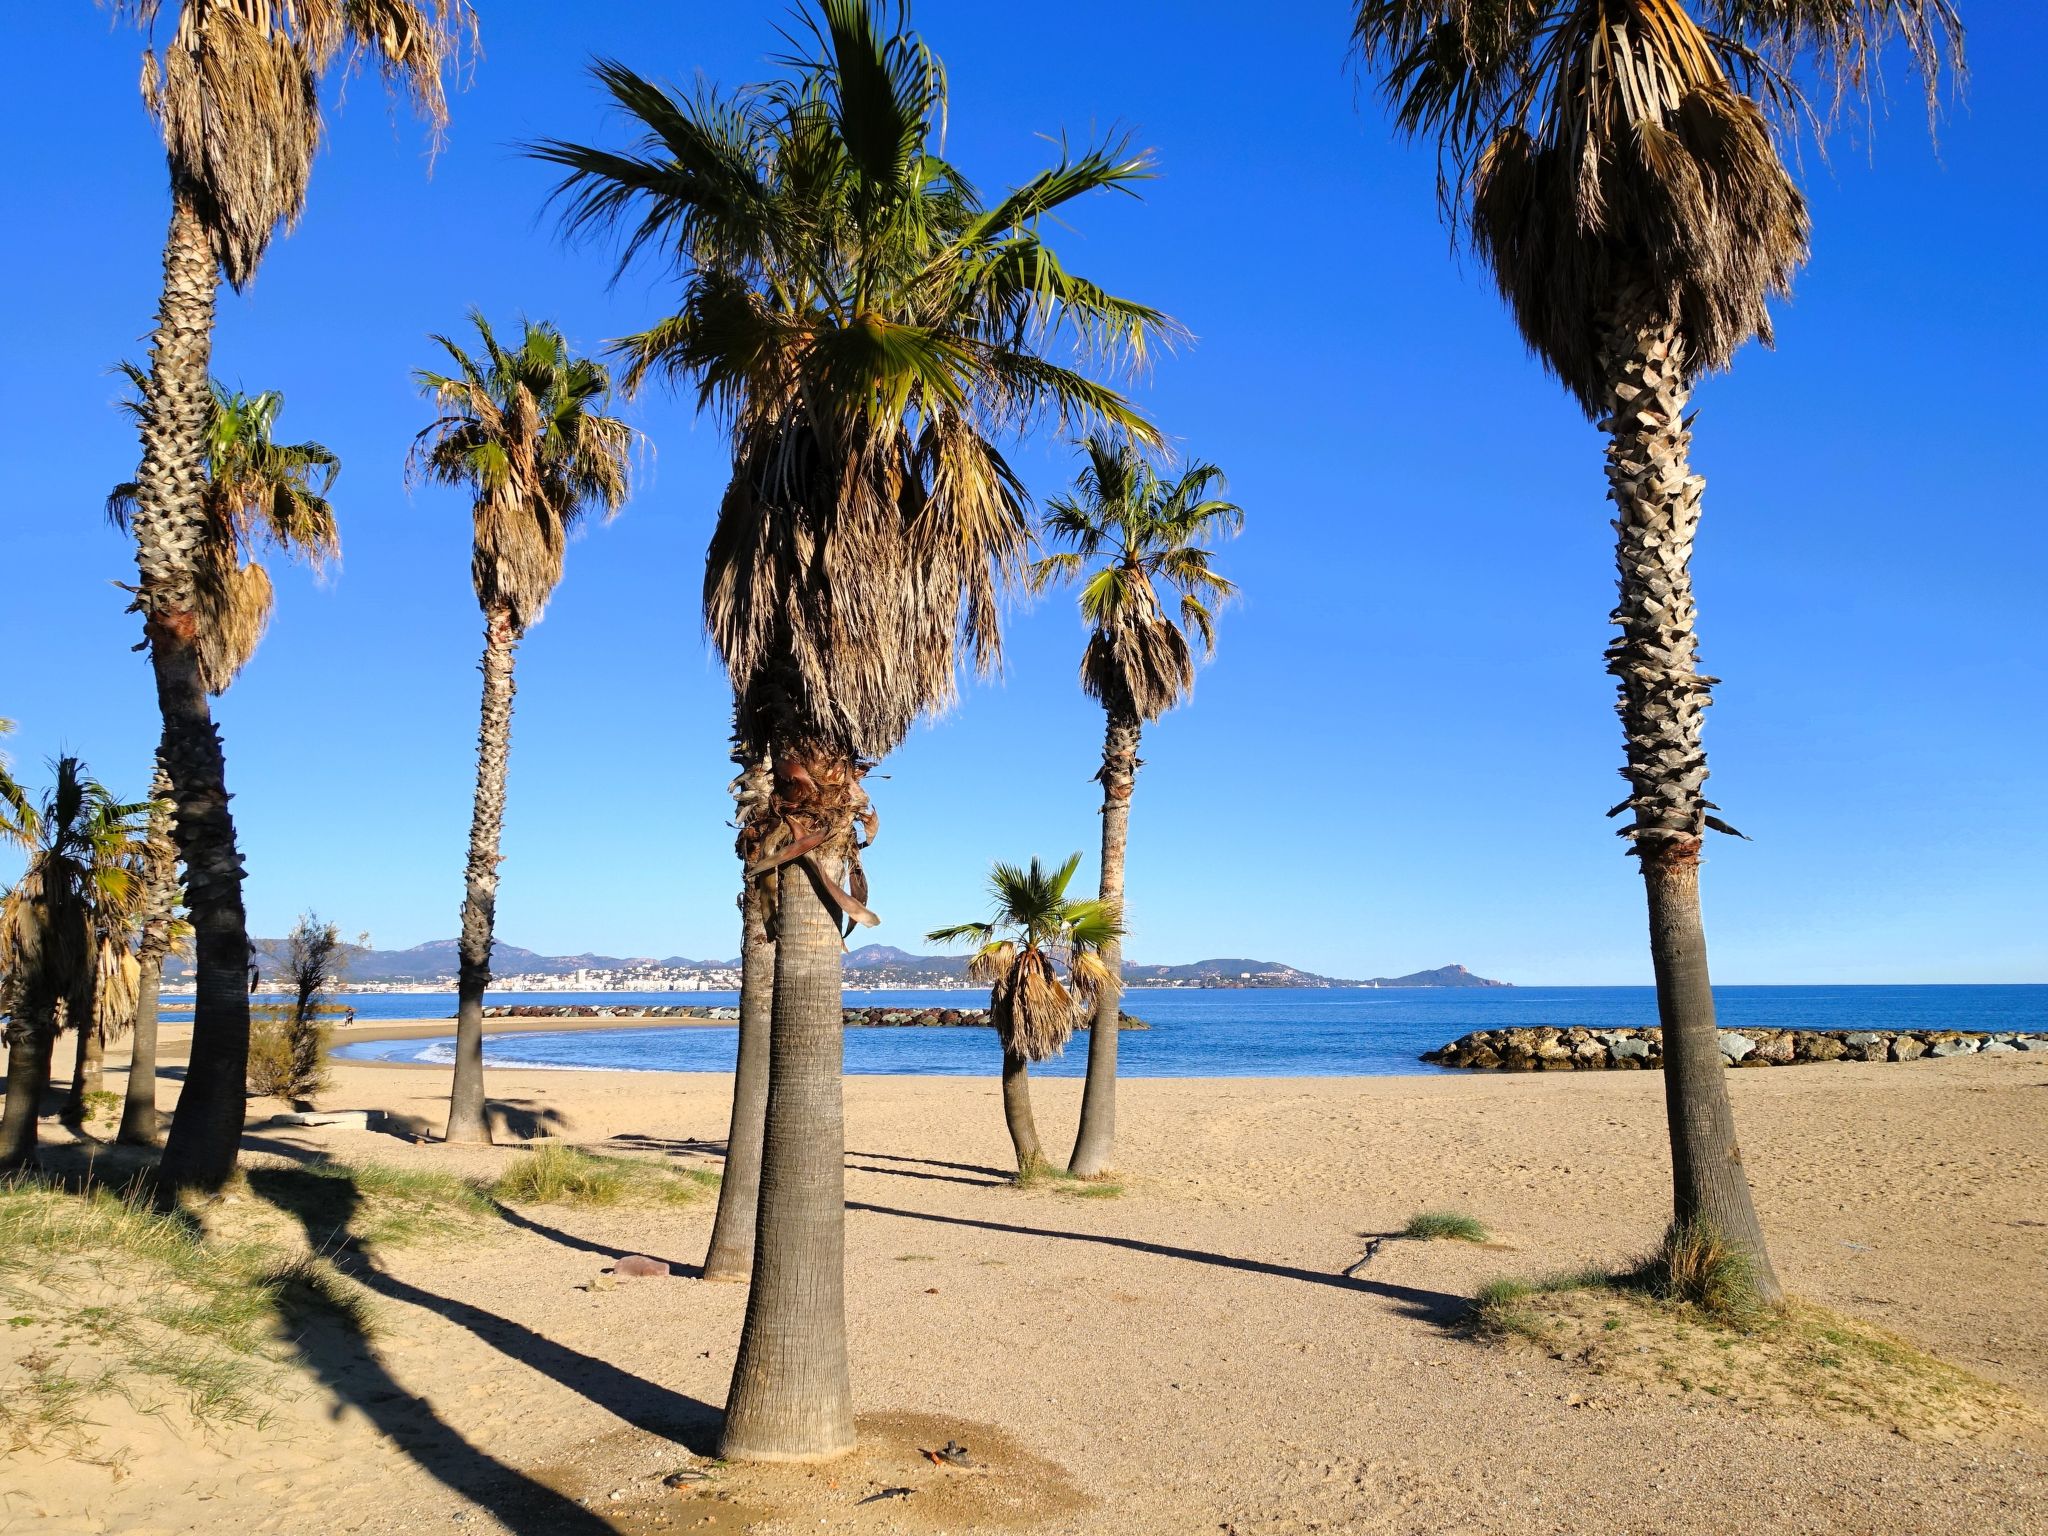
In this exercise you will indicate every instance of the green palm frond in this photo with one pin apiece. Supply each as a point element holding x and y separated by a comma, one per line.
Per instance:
<point>871,332</point>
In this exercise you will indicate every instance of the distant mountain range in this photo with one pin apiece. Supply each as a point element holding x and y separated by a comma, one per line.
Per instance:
<point>872,965</point>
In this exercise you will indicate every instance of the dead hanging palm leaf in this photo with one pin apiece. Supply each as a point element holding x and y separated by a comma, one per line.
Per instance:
<point>235,92</point>
<point>1034,930</point>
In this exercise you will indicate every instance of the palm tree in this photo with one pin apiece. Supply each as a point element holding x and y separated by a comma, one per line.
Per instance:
<point>868,328</point>
<point>59,926</point>
<point>1033,930</point>
<point>258,495</point>
<point>523,432</point>
<point>1616,164</point>
<point>1138,665</point>
<point>235,91</point>
<point>730,1254</point>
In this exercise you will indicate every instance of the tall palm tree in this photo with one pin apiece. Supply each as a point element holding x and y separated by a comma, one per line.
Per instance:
<point>524,432</point>
<point>57,927</point>
<point>1616,164</point>
<point>869,329</point>
<point>234,88</point>
<point>1144,528</point>
<point>1034,930</point>
<point>258,495</point>
<point>730,1254</point>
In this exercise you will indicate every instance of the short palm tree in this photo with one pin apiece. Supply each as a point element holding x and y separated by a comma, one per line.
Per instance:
<point>1034,931</point>
<point>63,927</point>
<point>234,88</point>
<point>870,329</point>
<point>1616,164</point>
<point>1145,529</point>
<point>524,431</point>
<point>259,496</point>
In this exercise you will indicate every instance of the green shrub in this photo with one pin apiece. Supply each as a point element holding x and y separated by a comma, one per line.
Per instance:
<point>1455,1226</point>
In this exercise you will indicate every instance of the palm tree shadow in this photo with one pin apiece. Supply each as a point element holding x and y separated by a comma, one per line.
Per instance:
<point>941,1178</point>
<point>570,1240</point>
<point>1439,1308</point>
<point>335,1348</point>
<point>1001,1175</point>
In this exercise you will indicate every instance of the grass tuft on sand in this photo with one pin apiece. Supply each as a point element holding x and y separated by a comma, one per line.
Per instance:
<point>109,1298</point>
<point>1451,1226</point>
<point>560,1175</point>
<point>1043,1176</point>
<point>1687,1319</point>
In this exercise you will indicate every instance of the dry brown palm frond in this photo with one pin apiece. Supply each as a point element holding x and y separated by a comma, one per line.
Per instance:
<point>233,602</point>
<point>1144,663</point>
<point>1034,1014</point>
<point>235,91</point>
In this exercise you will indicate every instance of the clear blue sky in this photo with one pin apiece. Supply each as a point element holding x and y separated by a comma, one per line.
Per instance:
<point>1402,754</point>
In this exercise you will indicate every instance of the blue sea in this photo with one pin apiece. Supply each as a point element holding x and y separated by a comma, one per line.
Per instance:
<point>1201,1033</point>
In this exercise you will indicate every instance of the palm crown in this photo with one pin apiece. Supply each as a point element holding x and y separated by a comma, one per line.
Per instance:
<point>1034,928</point>
<point>524,430</point>
<point>1620,153</point>
<point>869,329</point>
<point>65,923</point>
<point>1146,528</point>
<point>17,813</point>
<point>259,493</point>
<point>236,92</point>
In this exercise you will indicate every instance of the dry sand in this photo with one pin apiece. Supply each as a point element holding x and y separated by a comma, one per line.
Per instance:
<point>1184,1358</point>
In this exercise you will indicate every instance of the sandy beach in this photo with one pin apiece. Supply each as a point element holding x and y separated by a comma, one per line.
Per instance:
<point>1187,1356</point>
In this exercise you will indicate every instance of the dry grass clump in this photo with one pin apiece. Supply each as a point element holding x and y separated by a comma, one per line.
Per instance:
<point>110,1299</point>
<point>1043,1176</point>
<point>1688,1319</point>
<point>370,1205</point>
<point>1452,1226</point>
<point>554,1174</point>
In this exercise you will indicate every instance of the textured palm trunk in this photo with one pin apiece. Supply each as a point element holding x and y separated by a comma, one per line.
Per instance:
<point>29,1036</point>
<point>731,1254</point>
<point>1017,1114</point>
<point>1663,698</point>
<point>140,1123</point>
<point>468,1114</point>
<point>1095,1142</point>
<point>791,1397</point>
<point>169,525</point>
<point>88,1073</point>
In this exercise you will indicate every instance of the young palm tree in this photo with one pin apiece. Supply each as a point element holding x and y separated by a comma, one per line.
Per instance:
<point>58,924</point>
<point>869,328</point>
<point>234,89</point>
<point>1144,528</point>
<point>1034,930</point>
<point>524,432</point>
<point>1617,167</point>
<point>258,495</point>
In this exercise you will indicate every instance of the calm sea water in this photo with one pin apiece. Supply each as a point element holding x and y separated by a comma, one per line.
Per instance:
<point>1347,1033</point>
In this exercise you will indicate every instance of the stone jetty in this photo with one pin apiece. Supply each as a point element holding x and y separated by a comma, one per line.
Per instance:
<point>856,1018</point>
<point>1575,1049</point>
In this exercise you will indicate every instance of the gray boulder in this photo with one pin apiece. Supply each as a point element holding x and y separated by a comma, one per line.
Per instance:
<point>1629,1050</point>
<point>1733,1046</point>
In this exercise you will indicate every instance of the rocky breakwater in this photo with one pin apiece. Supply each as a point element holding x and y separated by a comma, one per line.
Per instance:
<point>947,1018</point>
<point>1544,1049</point>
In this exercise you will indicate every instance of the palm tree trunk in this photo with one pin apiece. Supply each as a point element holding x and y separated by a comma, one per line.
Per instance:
<point>140,1123</point>
<point>28,1067</point>
<point>468,1117</point>
<point>731,1254</point>
<point>169,526</point>
<point>791,1397</point>
<point>1663,698</point>
<point>139,1120</point>
<point>1095,1143</point>
<point>88,1072</point>
<point>1017,1114</point>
